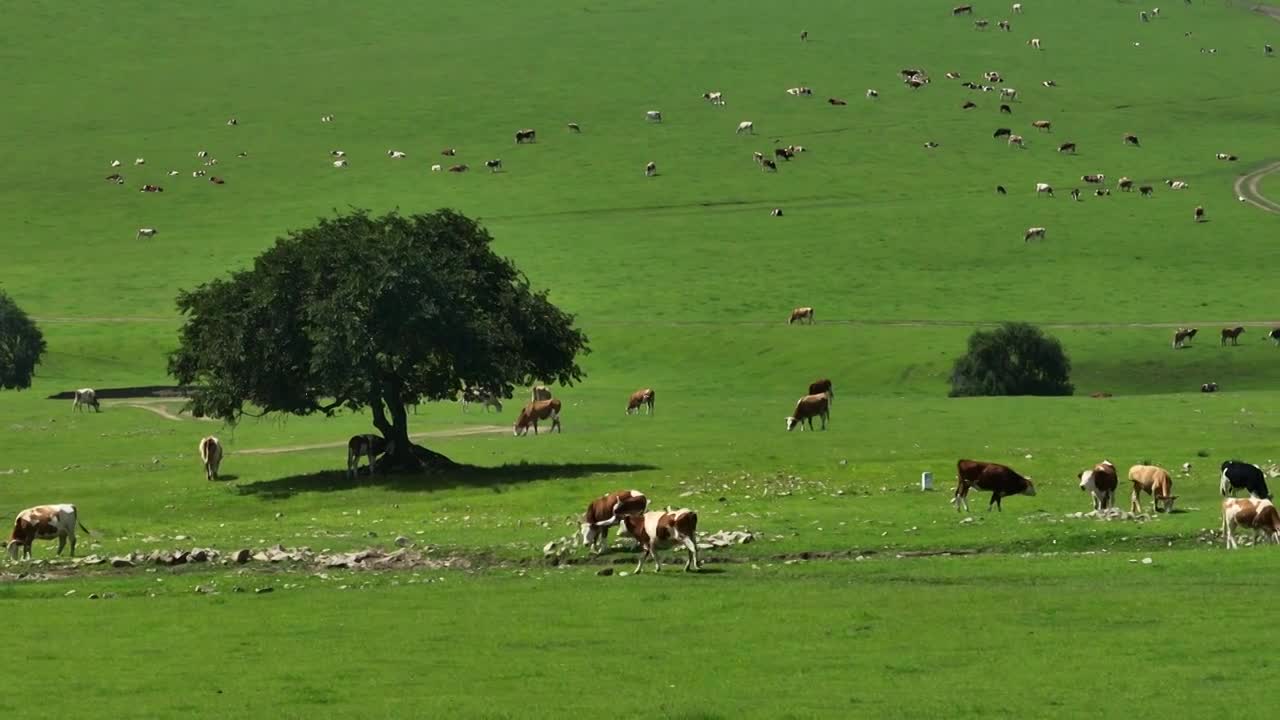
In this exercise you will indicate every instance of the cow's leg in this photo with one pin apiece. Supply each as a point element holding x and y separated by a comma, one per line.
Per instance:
<point>1231,541</point>
<point>995,500</point>
<point>72,537</point>
<point>691,544</point>
<point>62,542</point>
<point>1135,504</point>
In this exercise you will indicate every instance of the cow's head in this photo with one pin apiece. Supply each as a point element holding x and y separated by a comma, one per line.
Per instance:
<point>791,423</point>
<point>1086,480</point>
<point>1030,489</point>
<point>590,532</point>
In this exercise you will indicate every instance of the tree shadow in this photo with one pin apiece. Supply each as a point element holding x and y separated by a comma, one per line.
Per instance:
<point>461,476</point>
<point>223,477</point>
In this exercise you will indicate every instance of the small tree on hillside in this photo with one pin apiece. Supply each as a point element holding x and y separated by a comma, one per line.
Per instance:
<point>1014,359</point>
<point>371,312</point>
<point>21,345</point>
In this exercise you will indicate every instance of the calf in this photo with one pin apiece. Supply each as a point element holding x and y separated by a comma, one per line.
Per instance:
<point>1006,109</point>
<point>1182,336</point>
<point>1156,482</point>
<point>369,445</point>
<point>608,510</point>
<point>809,407</point>
<point>1232,335</point>
<point>1260,515</point>
<point>1101,482</point>
<point>1034,42</point>
<point>800,314</point>
<point>1075,194</point>
<point>44,522</point>
<point>526,135</point>
<point>535,411</point>
<point>998,479</point>
<point>211,456</point>
<point>661,528</point>
<point>641,398</point>
<point>1016,140</point>
<point>85,397</point>
<point>1033,232</point>
<point>1237,475</point>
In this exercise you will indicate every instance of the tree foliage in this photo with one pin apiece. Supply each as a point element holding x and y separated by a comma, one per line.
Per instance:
<point>21,345</point>
<point>1014,359</point>
<point>370,312</point>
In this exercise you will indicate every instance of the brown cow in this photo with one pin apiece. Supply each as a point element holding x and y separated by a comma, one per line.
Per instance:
<point>1101,482</point>
<point>1232,334</point>
<point>641,398</point>
<point>962,10</point>
<point>535,411</point>
<point>819,387</point>
<point>1156,482</point>
<point>1182,336</point>
<point>44,522</point>
<point>800,315</point>
<point>1043,125</point>
<point>807,408</point>
<point>211,456</point>
<point>1000,480</point>
<point>1261,515</point>
<point>608,510</point>
<point>660,528</point>
<point>458,168</point>
<point>370,445</point>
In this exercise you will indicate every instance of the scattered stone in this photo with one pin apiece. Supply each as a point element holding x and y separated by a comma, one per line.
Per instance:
<point>92,560</point>
<point>402,541</point>
<point>203,590</point>
<point>69,593</point>
<point>93,596</point>
<point>241,557</point>
<point>604,572</point>
<point>261,590</point>
<point>121,562</point>
<point>1147,561</point>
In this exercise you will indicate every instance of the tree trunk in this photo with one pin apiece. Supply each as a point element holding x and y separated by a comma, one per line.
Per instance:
<point>402,455</point>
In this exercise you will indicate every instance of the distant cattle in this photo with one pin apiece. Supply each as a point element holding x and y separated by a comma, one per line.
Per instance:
<point>1033,232</point>
<point>44,522</point>
<point>981,24</point>
<point>953,76</point>
<point>807,408</point>
<point>658,529</point>
<point>1016,140</point>
<point>999,480</point>
<point>1131,139</point>
<point>1102,192</point>
<point>653,116</point>
<point>1035,43</point>
<point>474,395</point>
<point>217,180</point>
<point>801,315</point>
<point>1210,387</point>
<point>1044,189</point>
<point>1017,7</point>
<point>459,168</point>
<point>211,456</point>
<point>1182,336</point>
<point>1154,481</point>
<point>116,178</point>
<point>326,118</point>
<point>1002,132</point>
<point>783,153</point>
<point>930,145</point>
<point>968,104</point>
<point>1067,147</point>
<point>768,166</point>
<point>746,126</point>
<point>1231,335</point>
<point>494,165</point>
<point>1075,194</point>
<point>1049,83</point>
<point>1097,179</point>
<point>1273,336</point>
<point>1045,125</point>
<point>339,163</point>
<point>650,169</point>
<point>1005,26</point>
<point>1259,515</point>
<point>798,91</point>
<point>1238,475</point>
<point>776,212</point>
<point>1008,92</point>
<point>1177,184</point>
<point>1101,482</point>
<point>715,98</point>
<point>1125,184</point>
<point>146,232</point>
<point>396,154</point>
<point>606,511</point>
<point>574,127</point>
<point>370,446</point>
<point>437,167</point>
<point>233,122</point>
<point>1001,191</point>
<point>962,10</point>
<point>873,93</point>
<point>85,397</point>
<point>1198,213</point>
<point>152,188</point>
<point>527,135</point>
<point>1146,190</point>
<point>837,101</point>
<point>1006,109</point>
<point>641,398</point>
<point>1226,156</point>
<point>450,152</point>
<point>535,411</point>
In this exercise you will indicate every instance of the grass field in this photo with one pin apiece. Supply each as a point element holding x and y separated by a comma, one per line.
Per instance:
<point>683,283</point>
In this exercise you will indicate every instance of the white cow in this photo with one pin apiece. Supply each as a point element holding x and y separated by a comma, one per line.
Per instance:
<point>653,116</point>
<point>396,155</point>
<point>716,98</point>
<point>872,93</point>
<point>146,232</point>
<point>339,163</point>
<point>746,126</point>
<point>1017,7</point>
<point>140,161</point>
<point>85,397</point>
<point>1033,232</point>
<point>1045,188</point>
<point>435,168</point>
<point>211,456</point>
<point>1034,42</point>
<point>1009,92</point>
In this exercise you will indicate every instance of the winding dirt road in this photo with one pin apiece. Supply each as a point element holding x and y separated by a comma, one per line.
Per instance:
<point>1247,187</point>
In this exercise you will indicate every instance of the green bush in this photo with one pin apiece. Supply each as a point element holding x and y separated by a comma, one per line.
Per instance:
<point>1014,359</point>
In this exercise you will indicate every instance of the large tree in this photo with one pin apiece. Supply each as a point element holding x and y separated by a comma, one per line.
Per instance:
<point>371,312</point>
<point>21,345</point>
<point>1013,359</point>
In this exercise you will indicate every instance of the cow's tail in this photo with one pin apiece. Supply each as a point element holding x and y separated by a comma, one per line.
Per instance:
<point>86,530</point>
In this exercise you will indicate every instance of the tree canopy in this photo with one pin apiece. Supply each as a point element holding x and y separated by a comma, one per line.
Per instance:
<point>1014,359</point>
<point>370,312</point>
<point>21,345</point>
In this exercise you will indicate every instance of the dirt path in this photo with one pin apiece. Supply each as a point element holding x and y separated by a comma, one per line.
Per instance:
<point>458,432</point>
<point>1247,185</point>
<point>156,406</point>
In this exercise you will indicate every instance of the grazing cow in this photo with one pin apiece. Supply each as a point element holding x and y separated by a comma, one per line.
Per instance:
<point>535,411</point>
<point>85,397</point>
<point>211,456</point>
<point>450,152</point>
<point>1044,188</point>
<point>1002,132</point>
<point>484,398</point>
<point>758,156</point>
<point>369,445</point>
<point>1075,194</point>
<point>437,167</point>
<point>146,232</point>
<point>115,163</point>
<point>1268,50</point>
<point>962,10</point>
<point>784,153</point>
<point>574,127</point>
<point>459,168</point>
<point>1199,213</point>
<point>1001,191</point>
<point>1145,190</point>
<point>1016,140</point>
<point>871,93</point>
<point>1010,93</point>
<point>1067,147</point>
<point>217,180</point>
<point>650,169</point>
<point>1033,232</point>
<point>1017,8</point>
<point>930,145</point>
<point>1131,139</point>
<point>809,407</point>
<point>715,97</point>
<point>116,178</point>
<point>1273,336</point>
<point>981,24</point>
<point>1004,25</point>
<point>1125,184</point>
<point>1102,192</point>
<point>1238,475</point>
<point>339,163</point>
<point>1177,184</point>
<point>776,212</point>
<point>653,116</point>
<point>662,528</point>
<point>202,173</point>
<point>1001,481</point>
<point>914,83</point>
<point>1260,515</point>
<point>326,118</point>
<point>1049,83</point>
<point>1226,156</point>
<point>152,188</point>
<point>396,154</point>
<point>1142,15</point>
<point>44,522</point>
<point>746,126</point>
<point>539,392</point>
<point>233,122</point>
<point>641,398</point>
<point>804,35</point>
<point>1097,179</point>
<point>1154,481</point>
<point>1034,42</point>
<point>1101,482</point>
<point>606,511</point>
<point>139,161</point>
<point>494,165</point>
<point>1006,109</point>
<point>1232,335</point>
<point>800,314</point>
<point>968,104</point>
<point>837,101</point>
<point>527,135</point>
<point>952,76</point>
<point>1045,125</point>
<point>1182,336</point>
<point>202,154</point>
<point>992,76</point>
<point>337,153</point>
<point>798,91</point>
<point>819,387</point>
<point>1209,387</point>
<point>769,166</point>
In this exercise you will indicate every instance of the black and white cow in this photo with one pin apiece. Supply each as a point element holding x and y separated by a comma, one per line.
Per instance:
<point>1237,475</point>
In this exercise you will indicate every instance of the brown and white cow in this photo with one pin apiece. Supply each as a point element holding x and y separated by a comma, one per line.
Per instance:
<point>1156,482</point>
<point>663,528</point>
<point>809,407</point>
<point>608,510</point>
<point>44,522</point>
<point>818,387</point>
<point>1260,515</point>
<point>998,479</point>
<point>1182,336</point>
<point>535,411</point>
<point>369,445</point>
<point>801,314</point>
<point>641,398</point>
<point>540,392</point>
<point>1232,335</point>
<point>211,456</point>
<point>1101,482</point>
<point>1043,125</point>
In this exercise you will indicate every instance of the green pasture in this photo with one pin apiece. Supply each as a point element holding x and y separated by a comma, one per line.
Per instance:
<point>683,283</point>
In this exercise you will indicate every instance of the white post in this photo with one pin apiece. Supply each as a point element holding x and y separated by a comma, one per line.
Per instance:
<point>926,480</point>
